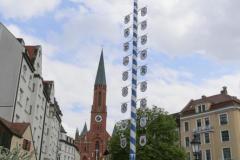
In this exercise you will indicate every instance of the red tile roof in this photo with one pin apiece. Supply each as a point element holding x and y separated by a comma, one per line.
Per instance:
<point>17,129</point>
<point>32,52</point>
<point>218,101</point>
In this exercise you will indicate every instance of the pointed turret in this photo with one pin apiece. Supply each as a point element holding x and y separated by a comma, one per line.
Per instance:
<point>77,133</point>
<point>100,78</point>
<point>85,130</point>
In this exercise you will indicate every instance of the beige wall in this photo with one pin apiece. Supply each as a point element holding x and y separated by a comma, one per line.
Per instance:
<point>216,145</point>
<point>19,141</point>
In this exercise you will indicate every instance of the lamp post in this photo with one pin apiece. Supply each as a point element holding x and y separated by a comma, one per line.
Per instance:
<point>195,143</point>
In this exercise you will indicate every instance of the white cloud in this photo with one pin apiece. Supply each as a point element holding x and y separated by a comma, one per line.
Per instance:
<point>48,48</point>
<point>176,27</point>
<point>26,9</point>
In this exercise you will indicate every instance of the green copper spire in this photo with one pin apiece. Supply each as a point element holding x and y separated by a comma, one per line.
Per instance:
<point>100,78</point>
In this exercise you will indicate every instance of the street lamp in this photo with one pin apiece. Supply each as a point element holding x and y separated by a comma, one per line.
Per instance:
<point>195,143</point>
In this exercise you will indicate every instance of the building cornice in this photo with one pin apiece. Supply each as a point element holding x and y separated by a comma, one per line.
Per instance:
<point>209,112</point>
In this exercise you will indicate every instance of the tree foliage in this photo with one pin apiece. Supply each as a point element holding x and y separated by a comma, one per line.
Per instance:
<point>14,154</point>
<point>162,138</point>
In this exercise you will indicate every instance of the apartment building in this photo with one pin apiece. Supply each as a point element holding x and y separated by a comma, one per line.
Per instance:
<point>213,120</point>
<point>52,124</point>
<point>24,96</point>
<point>17,135</point>
<point>67,148</point>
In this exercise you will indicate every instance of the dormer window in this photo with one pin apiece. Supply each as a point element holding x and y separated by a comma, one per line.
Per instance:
<point>201,108</point>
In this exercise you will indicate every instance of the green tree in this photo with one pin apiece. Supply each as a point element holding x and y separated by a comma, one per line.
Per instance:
<point>14,154</point>
<point>162,138</point>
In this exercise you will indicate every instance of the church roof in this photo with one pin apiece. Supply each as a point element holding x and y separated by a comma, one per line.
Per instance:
<point>100,78</point>
<point>85,130</point>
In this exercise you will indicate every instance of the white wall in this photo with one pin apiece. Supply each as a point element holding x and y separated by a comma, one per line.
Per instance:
<point>10,62</point>
<point>67,152</point>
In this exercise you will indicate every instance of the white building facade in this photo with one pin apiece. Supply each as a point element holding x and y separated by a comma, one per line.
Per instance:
<point>67,148</point>
<point>52,125</point>
<point>23,96</point>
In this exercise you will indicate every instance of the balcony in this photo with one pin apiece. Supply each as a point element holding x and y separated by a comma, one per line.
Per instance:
<point>203,129</point>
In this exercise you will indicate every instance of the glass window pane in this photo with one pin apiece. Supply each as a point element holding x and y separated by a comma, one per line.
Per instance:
<point>225,136</point>
<point>226,153</point>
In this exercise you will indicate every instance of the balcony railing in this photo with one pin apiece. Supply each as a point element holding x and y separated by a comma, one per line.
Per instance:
<point>203,129</point>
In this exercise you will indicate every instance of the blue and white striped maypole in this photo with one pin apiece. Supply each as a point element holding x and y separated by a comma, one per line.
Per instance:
<point>134,83</point>
<point>142,51</point>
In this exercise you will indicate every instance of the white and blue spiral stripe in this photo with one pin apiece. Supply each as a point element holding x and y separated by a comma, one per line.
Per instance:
<point>134,83</point>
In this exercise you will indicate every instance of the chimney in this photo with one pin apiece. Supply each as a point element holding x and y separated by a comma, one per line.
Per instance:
<point>224,91</point>
<point>204,97</point>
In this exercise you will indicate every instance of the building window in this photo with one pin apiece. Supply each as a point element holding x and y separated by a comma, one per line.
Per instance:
<point>30,109</point>
<point>27,101</point>
<point>227,154</point>
<point>26,145</point>
<point>225,136</point>
<point>207,123</point>
<point>20,95</point>
<point>201,108</point>
<point>186,125</point>
<point>207,137</point>
<point>187,141</point>
<point>223,119</point>
<point>30,82</point>
<point>199,123</point>
<point>197,136</point>
<point>17,118</point>
<point>33,87</point>
<point>37,109</point>
<point>208,155</point>
<point>188,156</point>
<point>24,72</point>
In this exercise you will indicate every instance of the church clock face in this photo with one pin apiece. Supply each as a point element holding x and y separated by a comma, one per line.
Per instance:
<point>98,118</point>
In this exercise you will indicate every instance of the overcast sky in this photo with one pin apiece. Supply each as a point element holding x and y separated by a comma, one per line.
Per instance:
<point>193,46</point>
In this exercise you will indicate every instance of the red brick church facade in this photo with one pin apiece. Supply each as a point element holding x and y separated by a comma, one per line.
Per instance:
<point>93,143</point>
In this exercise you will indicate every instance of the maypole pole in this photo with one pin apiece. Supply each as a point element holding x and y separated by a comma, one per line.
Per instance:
<point>139,50</point>
<point>134,83</point>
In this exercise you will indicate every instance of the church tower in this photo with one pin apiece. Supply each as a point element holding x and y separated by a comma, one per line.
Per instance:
<point>99,109</point>
<point>93,143</point>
